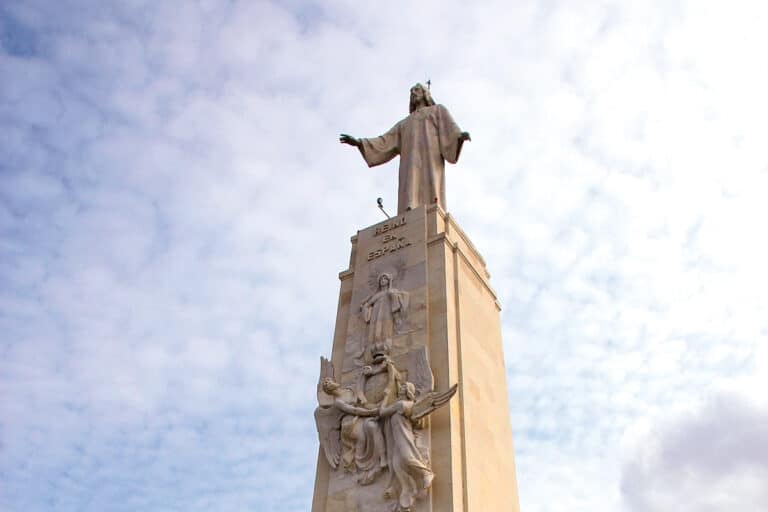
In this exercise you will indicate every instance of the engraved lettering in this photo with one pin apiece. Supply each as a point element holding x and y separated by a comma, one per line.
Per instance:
<point>387,226</point>
<point>391,244</point>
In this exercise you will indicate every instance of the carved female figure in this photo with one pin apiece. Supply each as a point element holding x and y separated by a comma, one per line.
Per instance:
<point>383,310</point>
<point>409,470</point>
<point>350,434</point>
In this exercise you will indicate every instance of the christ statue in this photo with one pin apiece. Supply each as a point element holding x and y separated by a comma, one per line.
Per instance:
<point>424,140</point>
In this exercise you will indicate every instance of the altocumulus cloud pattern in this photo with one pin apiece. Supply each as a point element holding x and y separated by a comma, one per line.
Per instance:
<point>174,208</point>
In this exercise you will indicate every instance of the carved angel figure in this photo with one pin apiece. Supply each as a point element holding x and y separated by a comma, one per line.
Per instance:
<point>410,473</point>
<point>384,309</point>
<point>350,434</point>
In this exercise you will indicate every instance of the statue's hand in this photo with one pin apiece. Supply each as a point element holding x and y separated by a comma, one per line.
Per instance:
<point>465,136</point>
<point>367,370</point>
<point>348,139</point>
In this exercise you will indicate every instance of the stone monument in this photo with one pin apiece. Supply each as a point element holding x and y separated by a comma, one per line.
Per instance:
<point>412,409</point>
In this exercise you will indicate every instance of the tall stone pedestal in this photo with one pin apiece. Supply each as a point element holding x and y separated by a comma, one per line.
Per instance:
<point>450,323</point>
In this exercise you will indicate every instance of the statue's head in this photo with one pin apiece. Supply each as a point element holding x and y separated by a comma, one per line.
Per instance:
<point>420,96</point>
<point>407,390</point>
<point>385,281</point>
<point>379,352</point>
<point>330,385</point>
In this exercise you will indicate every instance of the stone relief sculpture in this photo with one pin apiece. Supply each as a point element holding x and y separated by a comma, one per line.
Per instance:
<point>385,311</point>
<point>350,434</point>
<point>424,140</point>
<point>371,429</point>
<point>409,471</point>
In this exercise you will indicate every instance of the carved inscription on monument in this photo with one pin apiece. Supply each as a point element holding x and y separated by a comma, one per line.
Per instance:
<point>390,242</point>
<point>387,226</point>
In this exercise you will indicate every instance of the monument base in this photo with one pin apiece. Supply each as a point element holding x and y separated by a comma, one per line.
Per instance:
<point>416,300</point>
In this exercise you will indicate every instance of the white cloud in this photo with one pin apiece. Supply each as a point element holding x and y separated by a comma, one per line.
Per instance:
<point>713,460</point>
<point>166,168</point>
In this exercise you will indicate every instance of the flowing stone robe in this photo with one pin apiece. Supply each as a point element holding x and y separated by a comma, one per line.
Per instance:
<point>407,465</point>
<point>424,140</point>
<point>363,446</point>
<point>380,311</point>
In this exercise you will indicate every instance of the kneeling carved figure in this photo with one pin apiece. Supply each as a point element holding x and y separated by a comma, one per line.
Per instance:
<point>368,438</point>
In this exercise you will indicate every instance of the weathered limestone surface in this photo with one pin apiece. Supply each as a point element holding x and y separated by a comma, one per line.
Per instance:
<point>453,317</point>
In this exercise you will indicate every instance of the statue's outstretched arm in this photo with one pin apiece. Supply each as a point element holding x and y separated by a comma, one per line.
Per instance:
<point>355,411</point>
<point>375,369</point>
<point>348,139</point>
<point>389,410</point>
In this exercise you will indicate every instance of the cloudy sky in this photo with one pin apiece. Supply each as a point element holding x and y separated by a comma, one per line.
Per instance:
<point>175,207</point>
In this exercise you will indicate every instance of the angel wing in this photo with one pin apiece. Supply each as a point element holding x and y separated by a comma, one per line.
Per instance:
<point>431,401</point>
<point>326,371</point>
<point>328,421</point>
